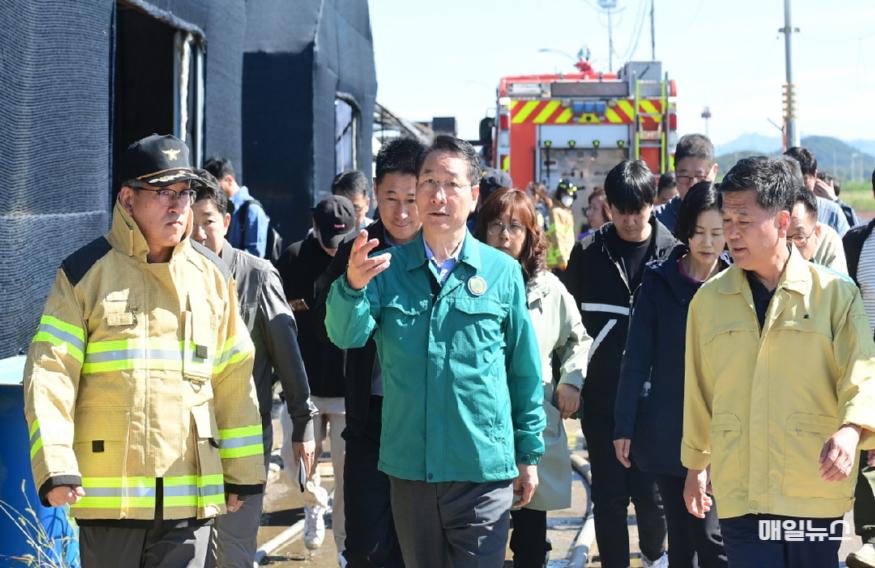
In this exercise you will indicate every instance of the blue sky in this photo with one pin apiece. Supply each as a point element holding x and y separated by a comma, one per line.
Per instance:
<point>445,58</point>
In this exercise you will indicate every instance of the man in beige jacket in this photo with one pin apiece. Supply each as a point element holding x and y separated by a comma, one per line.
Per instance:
<point>778,394</point>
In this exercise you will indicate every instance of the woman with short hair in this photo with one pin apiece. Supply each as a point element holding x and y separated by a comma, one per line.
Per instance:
<point>508,222</point>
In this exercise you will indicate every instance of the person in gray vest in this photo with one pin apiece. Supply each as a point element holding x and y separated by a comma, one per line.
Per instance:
<point>274,333</point>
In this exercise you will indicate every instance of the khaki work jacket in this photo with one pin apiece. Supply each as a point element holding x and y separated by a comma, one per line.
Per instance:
<point>760,404</point>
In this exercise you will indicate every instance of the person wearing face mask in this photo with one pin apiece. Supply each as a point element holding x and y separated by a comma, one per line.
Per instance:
<point>560,234</point>
<point>649,410</point>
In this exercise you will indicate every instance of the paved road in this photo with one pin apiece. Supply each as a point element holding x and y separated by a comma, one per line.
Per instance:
<point>284,508</point>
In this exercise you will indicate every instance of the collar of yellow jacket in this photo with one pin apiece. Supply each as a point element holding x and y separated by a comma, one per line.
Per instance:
<point>126,236</point>
<point>795,278</point>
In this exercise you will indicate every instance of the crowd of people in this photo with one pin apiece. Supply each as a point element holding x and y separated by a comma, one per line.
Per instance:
<point>715,340</point>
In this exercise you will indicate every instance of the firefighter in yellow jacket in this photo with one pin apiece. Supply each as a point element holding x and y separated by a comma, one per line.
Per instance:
<point>138,390</point>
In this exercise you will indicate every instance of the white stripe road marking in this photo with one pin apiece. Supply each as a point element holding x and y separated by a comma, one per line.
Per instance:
<point>611,309</point>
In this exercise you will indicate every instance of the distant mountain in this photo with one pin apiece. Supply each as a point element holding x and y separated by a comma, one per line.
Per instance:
<point>751,142</point>
<point>867,146</point>
<point>841,159</point>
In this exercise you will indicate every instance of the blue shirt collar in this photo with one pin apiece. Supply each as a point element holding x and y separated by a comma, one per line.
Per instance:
<point>446,267</point>
<point>415,255</point>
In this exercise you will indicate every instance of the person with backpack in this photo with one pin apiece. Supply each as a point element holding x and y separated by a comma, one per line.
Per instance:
<point>249,221</point>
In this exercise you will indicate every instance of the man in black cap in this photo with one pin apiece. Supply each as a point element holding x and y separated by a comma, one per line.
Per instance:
<point>138,386</point>
<point>300,265</point>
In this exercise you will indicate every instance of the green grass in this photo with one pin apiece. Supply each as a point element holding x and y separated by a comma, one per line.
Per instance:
<point>858,194</point>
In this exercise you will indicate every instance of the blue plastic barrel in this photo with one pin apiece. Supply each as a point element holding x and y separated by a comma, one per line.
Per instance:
<point>15,469</point>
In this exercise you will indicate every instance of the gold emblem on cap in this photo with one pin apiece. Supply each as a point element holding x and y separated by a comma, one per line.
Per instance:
<point>171,154</point>
<point>477,285</point>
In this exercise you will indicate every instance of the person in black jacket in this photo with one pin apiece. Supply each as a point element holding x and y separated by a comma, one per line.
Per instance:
<point>603,273</point>
<point>649,410</point>
<point>370,532</point>
<point>300,265</point>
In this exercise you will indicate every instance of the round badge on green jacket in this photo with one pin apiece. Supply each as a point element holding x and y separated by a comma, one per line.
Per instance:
<point>477,285</point>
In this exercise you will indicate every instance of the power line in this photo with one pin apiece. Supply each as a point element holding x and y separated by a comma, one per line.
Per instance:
<point>637,30</point>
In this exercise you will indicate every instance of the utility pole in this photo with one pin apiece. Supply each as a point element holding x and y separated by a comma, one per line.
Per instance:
<point>789,87</point>
<point>608,6</point>
<point>652,31</point>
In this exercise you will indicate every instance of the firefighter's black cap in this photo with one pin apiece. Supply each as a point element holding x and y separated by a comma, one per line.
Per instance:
<point>158,160</point>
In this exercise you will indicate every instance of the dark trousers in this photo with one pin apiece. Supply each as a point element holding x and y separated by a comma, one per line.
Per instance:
<point>454,524</point>
<point>528,541</point>
<point>751,544</point>
<point>234,538</point>
<point>689,538</point>
<point>370,531</point>
<point>117,547</point>
<point>864,502</point>
<point>612,487</point>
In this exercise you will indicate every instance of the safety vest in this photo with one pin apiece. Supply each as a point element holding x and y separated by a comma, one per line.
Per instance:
<point>560,237</point>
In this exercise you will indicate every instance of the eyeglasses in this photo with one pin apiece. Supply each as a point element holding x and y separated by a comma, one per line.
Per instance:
<point>690,180</point>
<point>496,228</point>
<point>168,196</point>
<point>800,240</point>
<point>450,187</point>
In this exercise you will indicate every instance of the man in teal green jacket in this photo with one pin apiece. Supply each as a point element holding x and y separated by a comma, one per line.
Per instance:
<point>462,415</point>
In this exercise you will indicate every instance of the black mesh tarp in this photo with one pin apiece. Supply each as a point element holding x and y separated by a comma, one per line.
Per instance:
<point>223,22</point>
<point>56,104</point>
<point>54,157</point>
<point>299,56</point>
<point>57,101</point>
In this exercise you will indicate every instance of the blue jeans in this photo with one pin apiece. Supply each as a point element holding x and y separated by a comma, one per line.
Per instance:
<point>770,541</point>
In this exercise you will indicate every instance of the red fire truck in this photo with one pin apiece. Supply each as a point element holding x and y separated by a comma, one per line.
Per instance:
<point>579,125</point>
